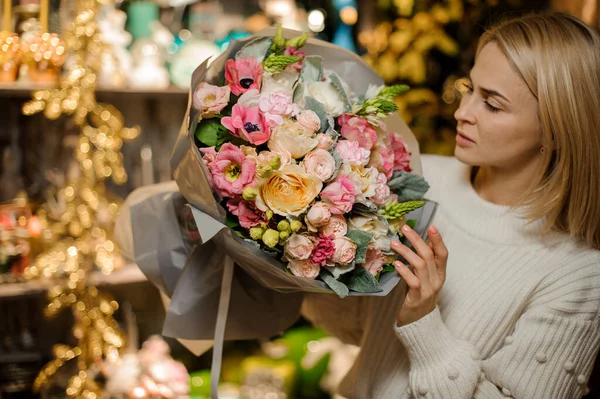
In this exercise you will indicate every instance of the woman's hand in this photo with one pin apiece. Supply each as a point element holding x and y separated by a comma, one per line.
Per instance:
<point>426,280</point>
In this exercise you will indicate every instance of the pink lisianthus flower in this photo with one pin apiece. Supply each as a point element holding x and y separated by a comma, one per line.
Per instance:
<point>382,158</point>
<point>247,123</point>
<point>297,67</point>
<point>357,129</point>
<point>323,250</point>
<point>246,212</point>
<point>243,75</point>
<point>231,171</point>
<point>401,154</point>
<point>340,195</point>
<point>277,105</point>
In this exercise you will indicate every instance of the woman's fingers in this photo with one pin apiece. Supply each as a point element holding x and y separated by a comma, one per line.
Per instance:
<point>418,263</point>
<point>411,280</point>
<point>439,250</point>
<point>425,252</point>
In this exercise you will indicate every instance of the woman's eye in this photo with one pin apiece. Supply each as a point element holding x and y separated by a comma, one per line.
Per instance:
<point>491,107</point>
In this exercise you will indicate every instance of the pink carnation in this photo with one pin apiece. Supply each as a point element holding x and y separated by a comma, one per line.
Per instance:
<point>401,154</point>
<point>243,75</point>
<point>247,123</point>
<point>323,250</point>
<point>374,261</point>
<point>297,67</point>
<point>352,152</point>
<point>357,129</point>
<point>340,194</point>
<point>382,192</point>
<point>246,212</point>
<point>277,105</point>
<point>231,171</point>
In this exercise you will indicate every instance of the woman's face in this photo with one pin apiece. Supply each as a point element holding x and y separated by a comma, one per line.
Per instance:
<point>498,123</point>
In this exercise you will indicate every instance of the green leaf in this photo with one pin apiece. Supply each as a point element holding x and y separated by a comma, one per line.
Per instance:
<point>411,223</point>
<point>257,48</point>
<point>408,186</point>
<point>319,109</point>
<point>211,132</point>
<point>312,69</point>
<point>361,239</point>
<point>338,287</point>
<point>362,281</point>
<point>387,269</point>
<point>231,221</point>
<point>339,270</point>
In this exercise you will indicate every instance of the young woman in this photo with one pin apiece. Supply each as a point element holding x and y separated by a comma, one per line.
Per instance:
<point>513,311</point>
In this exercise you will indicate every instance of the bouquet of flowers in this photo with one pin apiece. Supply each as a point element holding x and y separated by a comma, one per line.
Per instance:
<point>303,167</point>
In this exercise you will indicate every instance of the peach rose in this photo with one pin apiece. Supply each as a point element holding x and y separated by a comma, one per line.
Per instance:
<point>336,227</point>
<point>288,192</point>
<point>345,250</point>
<point>320,164</point>
<point>317,216</point>
<point>298,247</point>
<point>289,138</point>
<point>304,268</point>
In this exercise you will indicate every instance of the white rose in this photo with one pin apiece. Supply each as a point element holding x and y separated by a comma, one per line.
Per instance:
<point>371,224</point>
<point>364,180</point>
<point>327,95</point>
<point>282,81</point>
<point>290,139</point>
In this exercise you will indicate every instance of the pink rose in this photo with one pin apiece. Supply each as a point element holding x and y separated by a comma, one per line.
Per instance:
<point>247,123</point>
<point>243,75</point>
<point>304,268</point>
<point>382,192</point>
<point>374,261</point>
<point>401,154</point>
<point>337,227</point>
<point>298,247</point>
<point>382,158</point>
<point>345,250</point>
<point>357,129</point>
<point>297,67</point>
<point>246,212</point>
<point>340,195</point>
<point>317,216</point>
<point>320,164</point>
<point>309,121</point>
<point>325,141</point>
<point>277,105</point>
<point>231,171</point>
<point>210,100</point>
<point>350,151</point>
<point>323,250</point>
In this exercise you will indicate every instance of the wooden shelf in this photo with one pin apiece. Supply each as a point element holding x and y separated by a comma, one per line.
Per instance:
<point>127,275</point>
<point>24,89</point>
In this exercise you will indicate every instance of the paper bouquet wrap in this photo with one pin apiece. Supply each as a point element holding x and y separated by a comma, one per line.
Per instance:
<point>283,136</point>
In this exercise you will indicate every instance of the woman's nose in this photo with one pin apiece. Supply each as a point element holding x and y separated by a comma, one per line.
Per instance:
<point>465,113</point>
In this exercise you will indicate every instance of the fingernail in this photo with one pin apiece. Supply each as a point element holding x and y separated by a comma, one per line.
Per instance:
<point>398,264</point>
<point>433,230</point>
<point>406,228</point>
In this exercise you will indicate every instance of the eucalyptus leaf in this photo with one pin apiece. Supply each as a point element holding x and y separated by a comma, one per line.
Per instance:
<point>408,186</point>
<point>339,270</point>
<point>312,68</point>
<point>361,239</point>
<point>319,109</point>
<point>338,287</point>
<point>336,83</point>
<point>257,49</point>
<point>298,93</point>
<point>362,281</point>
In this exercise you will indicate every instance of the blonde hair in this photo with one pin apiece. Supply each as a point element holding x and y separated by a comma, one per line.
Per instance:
<point>558,57</point>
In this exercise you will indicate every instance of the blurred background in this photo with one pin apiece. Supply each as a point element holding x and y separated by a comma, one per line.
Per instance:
<point>118,78</point>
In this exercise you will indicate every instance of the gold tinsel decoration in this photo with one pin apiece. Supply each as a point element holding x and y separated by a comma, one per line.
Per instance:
<point>78,214</point>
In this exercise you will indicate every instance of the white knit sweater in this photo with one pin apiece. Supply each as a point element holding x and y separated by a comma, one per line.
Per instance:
<point>519,316</point>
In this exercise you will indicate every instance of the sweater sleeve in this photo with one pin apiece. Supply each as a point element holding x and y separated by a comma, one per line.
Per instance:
<point>550,353</point>
<point>342,318</point>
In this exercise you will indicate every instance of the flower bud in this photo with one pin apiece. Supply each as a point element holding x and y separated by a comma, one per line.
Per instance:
<point>249,193</point>
<point>256,233</point>
<point>271,238</point>
<point>296,225</point>
<point>284,225</point>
